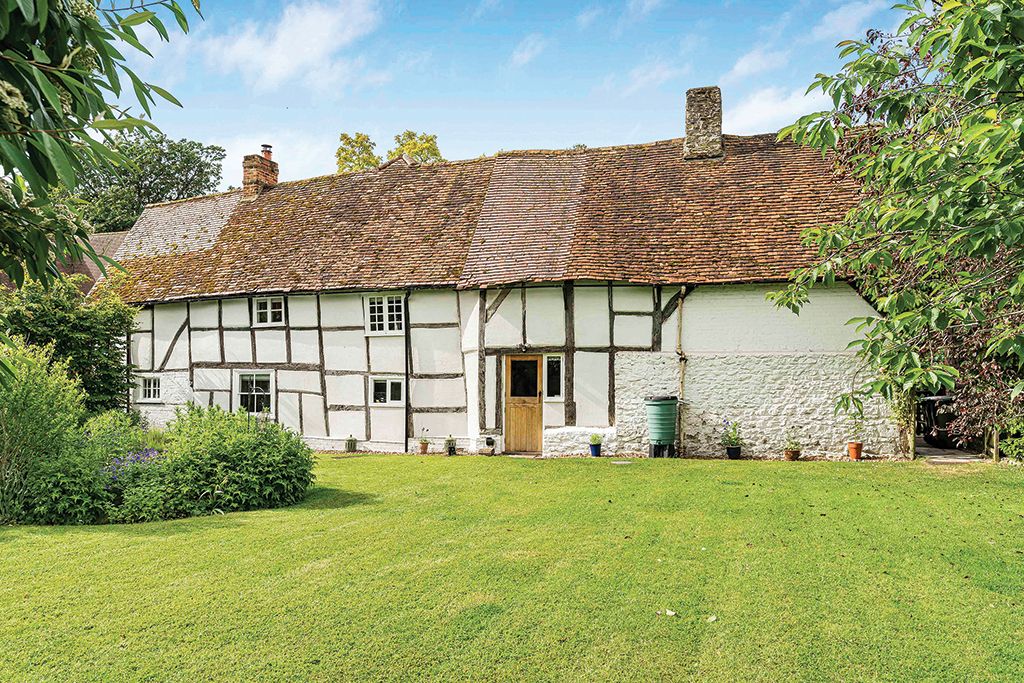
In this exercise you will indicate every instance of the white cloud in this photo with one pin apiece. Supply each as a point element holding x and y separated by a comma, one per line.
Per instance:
<point>528,49</point>
<point>302,44</point>
<point>651,75</point>
<point>588,16</point>
<point>755,62</point>
<point>637,9</point>
<point>485,6</point>
<point>769,109</point>
<point>846,21</point>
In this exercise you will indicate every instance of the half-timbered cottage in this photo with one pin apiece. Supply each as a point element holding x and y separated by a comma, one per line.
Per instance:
<point>522,301</point>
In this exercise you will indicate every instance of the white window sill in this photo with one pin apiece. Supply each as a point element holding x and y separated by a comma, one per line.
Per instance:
<point>149,401</point>
<point>397,333</point>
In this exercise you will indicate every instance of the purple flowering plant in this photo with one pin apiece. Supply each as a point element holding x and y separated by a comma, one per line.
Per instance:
<point>121,465</point>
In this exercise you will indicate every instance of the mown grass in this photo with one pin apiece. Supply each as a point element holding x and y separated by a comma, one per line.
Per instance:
<point>406,567</point>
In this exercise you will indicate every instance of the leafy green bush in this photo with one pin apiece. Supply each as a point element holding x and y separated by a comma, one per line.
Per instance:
<point>90,333</point>
<point>116,433</point>
<point>218,461</point>
<point>48,474</point>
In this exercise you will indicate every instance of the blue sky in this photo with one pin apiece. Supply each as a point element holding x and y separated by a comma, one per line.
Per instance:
<point>486,75</point>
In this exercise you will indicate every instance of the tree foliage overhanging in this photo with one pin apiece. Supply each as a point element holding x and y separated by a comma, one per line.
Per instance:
<point>930,120</point>
<point>62,72</point>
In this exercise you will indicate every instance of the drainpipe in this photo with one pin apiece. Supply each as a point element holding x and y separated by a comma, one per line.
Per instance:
<point>681,426</point>
<point>408,367</point>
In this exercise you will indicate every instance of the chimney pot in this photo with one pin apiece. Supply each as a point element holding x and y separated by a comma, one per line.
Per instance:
<point>268,151</point>
<point>703,123</point>
<point>259,172</point>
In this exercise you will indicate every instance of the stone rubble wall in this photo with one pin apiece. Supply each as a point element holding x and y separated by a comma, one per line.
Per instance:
<point>768,394</point>
<point>639,374</point>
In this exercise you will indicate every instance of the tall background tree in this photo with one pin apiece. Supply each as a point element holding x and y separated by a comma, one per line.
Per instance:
<point>930,121</point>
<point>356,152</point>
<point>156,169</point>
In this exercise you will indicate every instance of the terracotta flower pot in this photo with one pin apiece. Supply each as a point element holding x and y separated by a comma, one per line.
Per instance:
<point>855,449</point>
<point>791,454</point>
<point>423,447</point>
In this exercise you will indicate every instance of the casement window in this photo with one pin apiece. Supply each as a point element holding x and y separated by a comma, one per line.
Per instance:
<point>387,391</point>
<point>254,391</point>
<point>385,314</point>
<point>149,390</point>
<point>553,377</point>
<point>269,310</point>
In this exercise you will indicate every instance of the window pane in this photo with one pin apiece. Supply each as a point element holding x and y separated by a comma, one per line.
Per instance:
<point>375,304</point>
<point>396,391</point>
<point>524,378</point>
<point>553,380</point>
<point>395,313</point>
<point>261,316</point>
<point>380,391</point>
<point>277,310</point>
<point>254,392</point>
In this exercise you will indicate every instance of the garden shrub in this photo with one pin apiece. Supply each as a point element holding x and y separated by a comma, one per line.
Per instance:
<point>89,332</point>
<point>217,461</point>
<point>116,433</point>
<point>48,474</point>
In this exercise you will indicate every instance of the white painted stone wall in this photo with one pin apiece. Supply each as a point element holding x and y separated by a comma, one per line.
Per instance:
<point>772,370</point>
<point>575,441</point>
<point>639,374</point>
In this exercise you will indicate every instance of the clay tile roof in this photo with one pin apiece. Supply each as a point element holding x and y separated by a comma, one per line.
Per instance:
<point>637,213</point>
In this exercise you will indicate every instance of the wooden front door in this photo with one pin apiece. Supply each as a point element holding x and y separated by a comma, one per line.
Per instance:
<point>524,404</point>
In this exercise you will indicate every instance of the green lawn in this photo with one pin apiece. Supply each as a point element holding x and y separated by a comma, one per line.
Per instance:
<point>473,568</point>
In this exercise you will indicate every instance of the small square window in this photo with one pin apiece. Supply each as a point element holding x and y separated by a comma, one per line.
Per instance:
<point>149,389</point>
<point>269,310</point>
<point>385,314</point>
<point>389,392</point>
<point>255,392</point>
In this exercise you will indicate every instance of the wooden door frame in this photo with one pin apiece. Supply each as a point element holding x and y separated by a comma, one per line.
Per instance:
<point>506,396</point>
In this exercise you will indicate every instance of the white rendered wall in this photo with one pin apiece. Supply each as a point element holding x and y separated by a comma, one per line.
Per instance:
<point>772,370</point>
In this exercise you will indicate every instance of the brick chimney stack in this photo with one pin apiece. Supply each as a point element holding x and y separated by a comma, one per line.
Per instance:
<point>703,123</point>
<point>259,171</point>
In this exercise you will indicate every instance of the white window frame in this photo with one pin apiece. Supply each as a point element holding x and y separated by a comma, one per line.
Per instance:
<point>140,391</point>
<point>561,369</point>
<point>236,388</point>
<point>388,299</point>
<point>400,381</point>
<point>270,301</point>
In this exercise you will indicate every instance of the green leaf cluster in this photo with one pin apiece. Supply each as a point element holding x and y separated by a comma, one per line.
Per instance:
<point>929,123</point>
<point>62,72</point>
<point>356,152</point>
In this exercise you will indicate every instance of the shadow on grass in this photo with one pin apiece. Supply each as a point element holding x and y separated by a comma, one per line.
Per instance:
<point>326,498</point>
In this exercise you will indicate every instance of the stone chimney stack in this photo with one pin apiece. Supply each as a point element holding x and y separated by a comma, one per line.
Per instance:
<point>703,123</point>
<point>259,171</point>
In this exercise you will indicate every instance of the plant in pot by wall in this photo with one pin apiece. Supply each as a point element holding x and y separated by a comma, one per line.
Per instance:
<point>350,444</point>
<point>449,445</point>
<point>424,442</point>
<point>595,445</point>
<point>791,451</point>
<point>855,446</point>
<point>732,439</point>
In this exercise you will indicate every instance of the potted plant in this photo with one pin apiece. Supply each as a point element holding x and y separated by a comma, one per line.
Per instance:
<point>595,445</point>
<point>424,442</point>
<point>732,439</point>
<point>791,451</point>
<point>449,445</point>
<point>350,444</point>
<point>855,446</point>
